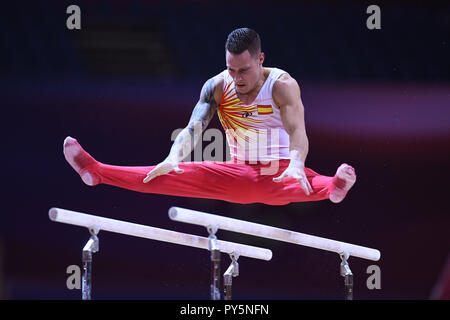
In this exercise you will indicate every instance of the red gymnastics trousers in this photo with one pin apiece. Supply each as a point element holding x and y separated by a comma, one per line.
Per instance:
<point>231,181</point>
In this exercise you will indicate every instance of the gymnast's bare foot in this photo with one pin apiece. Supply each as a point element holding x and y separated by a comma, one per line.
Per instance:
<point>343,180</point>
<point>81,161</point>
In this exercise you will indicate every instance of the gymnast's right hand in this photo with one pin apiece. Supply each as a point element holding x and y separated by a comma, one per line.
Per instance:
<point>163,168</point>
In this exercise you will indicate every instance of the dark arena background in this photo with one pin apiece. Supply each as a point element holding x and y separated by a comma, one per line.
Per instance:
<point>378,99</point>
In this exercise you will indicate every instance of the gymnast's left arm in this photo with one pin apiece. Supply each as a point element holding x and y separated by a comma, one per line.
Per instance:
<point>286,94</point>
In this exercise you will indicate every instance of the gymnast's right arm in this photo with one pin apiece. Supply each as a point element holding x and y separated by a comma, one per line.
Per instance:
<point>188,137</point>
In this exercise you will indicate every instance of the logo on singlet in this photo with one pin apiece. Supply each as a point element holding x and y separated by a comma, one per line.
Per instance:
<point>247,114</point>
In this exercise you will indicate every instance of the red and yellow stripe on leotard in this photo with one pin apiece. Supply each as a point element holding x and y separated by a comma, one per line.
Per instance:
<point>264,109</point>
<point>231,111</point>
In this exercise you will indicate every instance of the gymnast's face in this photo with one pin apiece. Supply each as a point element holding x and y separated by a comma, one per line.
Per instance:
<point>245,69</point>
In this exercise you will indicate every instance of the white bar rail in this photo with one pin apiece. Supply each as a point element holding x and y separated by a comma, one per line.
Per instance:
<point>260,230</point>
<point>142,231</point>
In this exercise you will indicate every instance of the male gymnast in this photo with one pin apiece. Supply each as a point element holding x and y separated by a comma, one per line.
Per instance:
<point>262,113</point>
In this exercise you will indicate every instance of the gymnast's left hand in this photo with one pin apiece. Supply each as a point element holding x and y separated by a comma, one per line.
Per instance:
<point>298,173</point>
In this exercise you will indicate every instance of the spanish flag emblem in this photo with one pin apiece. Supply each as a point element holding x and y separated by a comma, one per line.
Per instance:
<point>264,109</point>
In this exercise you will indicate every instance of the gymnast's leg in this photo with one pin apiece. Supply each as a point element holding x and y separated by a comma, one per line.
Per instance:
<point>289,190</point>
<point>233,182</point>
<point>207,179</point>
